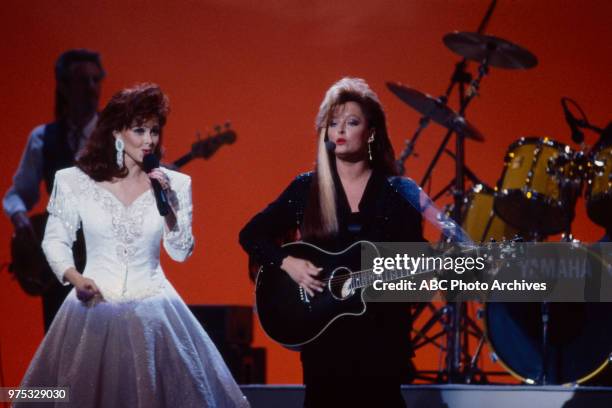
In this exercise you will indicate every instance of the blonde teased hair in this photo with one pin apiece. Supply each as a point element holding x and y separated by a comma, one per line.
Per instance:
<point>325,189</point>
<point>346,85</point>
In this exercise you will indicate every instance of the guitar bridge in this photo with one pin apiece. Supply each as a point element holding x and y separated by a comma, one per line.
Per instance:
<point>304,296</point>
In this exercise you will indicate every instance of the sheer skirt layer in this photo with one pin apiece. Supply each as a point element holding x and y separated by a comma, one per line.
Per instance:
<point>146,353</point>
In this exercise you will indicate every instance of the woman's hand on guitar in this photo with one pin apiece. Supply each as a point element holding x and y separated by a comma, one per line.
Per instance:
<point>304,273</point>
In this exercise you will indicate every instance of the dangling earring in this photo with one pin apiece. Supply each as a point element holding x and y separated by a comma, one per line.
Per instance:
<point>370,141</point>
<point>119,146</point>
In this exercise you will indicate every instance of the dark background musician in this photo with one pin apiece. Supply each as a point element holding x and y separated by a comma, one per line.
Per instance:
<point>53,146</point>
<point>357,361</point>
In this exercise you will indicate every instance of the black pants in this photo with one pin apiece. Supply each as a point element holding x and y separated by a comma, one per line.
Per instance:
<point>52,299</point>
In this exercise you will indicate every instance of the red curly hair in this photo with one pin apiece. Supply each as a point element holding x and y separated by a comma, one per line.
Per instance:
<point>128,107</point>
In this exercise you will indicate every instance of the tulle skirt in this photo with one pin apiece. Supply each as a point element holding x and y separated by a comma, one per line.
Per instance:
<point>146,353</point>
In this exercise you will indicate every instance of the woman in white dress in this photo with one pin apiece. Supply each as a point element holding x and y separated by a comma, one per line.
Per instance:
<point>123,337</point>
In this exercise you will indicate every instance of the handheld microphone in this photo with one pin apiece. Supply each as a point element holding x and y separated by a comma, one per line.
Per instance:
<point>330,146</point>
<point>150,162</point>
<point>577,134</point>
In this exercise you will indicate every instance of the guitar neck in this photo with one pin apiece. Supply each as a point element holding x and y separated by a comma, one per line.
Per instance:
<point>183,160</point>
<point>367,277</point>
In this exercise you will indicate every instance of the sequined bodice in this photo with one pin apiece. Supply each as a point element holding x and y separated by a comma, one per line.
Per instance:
<point>123,242</point>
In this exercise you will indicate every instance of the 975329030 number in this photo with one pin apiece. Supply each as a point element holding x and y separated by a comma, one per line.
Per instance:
<point>34,394</point>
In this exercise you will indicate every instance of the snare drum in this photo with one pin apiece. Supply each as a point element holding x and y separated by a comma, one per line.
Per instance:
<point>480,221</point>
<point>599,187</point>
<point>530,196</point>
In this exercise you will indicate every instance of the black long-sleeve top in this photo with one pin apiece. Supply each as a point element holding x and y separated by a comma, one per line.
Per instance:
<point>378,342</point>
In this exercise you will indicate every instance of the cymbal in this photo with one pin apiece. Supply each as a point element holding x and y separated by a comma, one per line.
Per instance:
<point>436,110</point>
<point>500,53</point>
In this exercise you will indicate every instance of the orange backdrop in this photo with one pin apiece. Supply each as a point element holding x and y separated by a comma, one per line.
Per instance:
<point>265,66</point>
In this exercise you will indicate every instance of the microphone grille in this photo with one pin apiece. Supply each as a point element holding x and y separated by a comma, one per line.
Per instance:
<point>150,162</point>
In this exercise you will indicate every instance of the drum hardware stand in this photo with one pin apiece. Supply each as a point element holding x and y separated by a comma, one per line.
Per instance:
<point>471,371</point>
<point>423,338</point>
<point>460,159</point>
<point>454,348</point>
<point>605,137</point>
<point>468,173</point>
<point>409,149</point>
<point>544,310</point>
<point>459,76</point>
<point>567,187</point>
<point>542,379</point>
<point>456,311</point>
<point>577,124</point>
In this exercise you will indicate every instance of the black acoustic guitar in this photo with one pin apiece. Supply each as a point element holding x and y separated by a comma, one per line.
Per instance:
<point>28,262</point>
<point>290,316</point>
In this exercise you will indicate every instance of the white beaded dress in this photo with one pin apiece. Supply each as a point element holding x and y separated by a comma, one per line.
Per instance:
<point>139,346</point>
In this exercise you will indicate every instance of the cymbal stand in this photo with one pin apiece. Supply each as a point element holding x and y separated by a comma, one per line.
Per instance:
<point>466,170</point>
<point>459,77</point>
<point>454,340</point>
<point>409,149</point>
<point>455,310</point>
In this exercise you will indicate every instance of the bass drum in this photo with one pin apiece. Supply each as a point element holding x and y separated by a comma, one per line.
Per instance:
<point>580,340</point>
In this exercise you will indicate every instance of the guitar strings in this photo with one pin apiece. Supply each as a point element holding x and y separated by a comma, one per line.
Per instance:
<point>351,275</point>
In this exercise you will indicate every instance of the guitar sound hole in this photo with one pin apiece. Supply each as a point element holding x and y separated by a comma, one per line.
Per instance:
<point>340,284</point>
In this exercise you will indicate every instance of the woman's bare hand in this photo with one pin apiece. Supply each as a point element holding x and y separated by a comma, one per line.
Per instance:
<point>161,177</point>
<point>86,288</point>
<point>304,273</point>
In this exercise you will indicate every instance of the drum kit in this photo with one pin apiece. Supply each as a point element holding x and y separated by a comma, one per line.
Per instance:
<point>535,198</point>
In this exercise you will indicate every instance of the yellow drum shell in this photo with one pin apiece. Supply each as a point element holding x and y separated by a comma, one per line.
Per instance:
<point>480,221</point>
<point>599,187</point>
<point>529,196</point>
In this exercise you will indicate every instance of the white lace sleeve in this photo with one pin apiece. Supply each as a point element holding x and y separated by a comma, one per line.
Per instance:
<point>62,225</point>
<point>179,241</point>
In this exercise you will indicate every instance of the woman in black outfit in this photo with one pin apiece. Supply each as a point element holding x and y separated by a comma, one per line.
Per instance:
<point>357,361</point>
